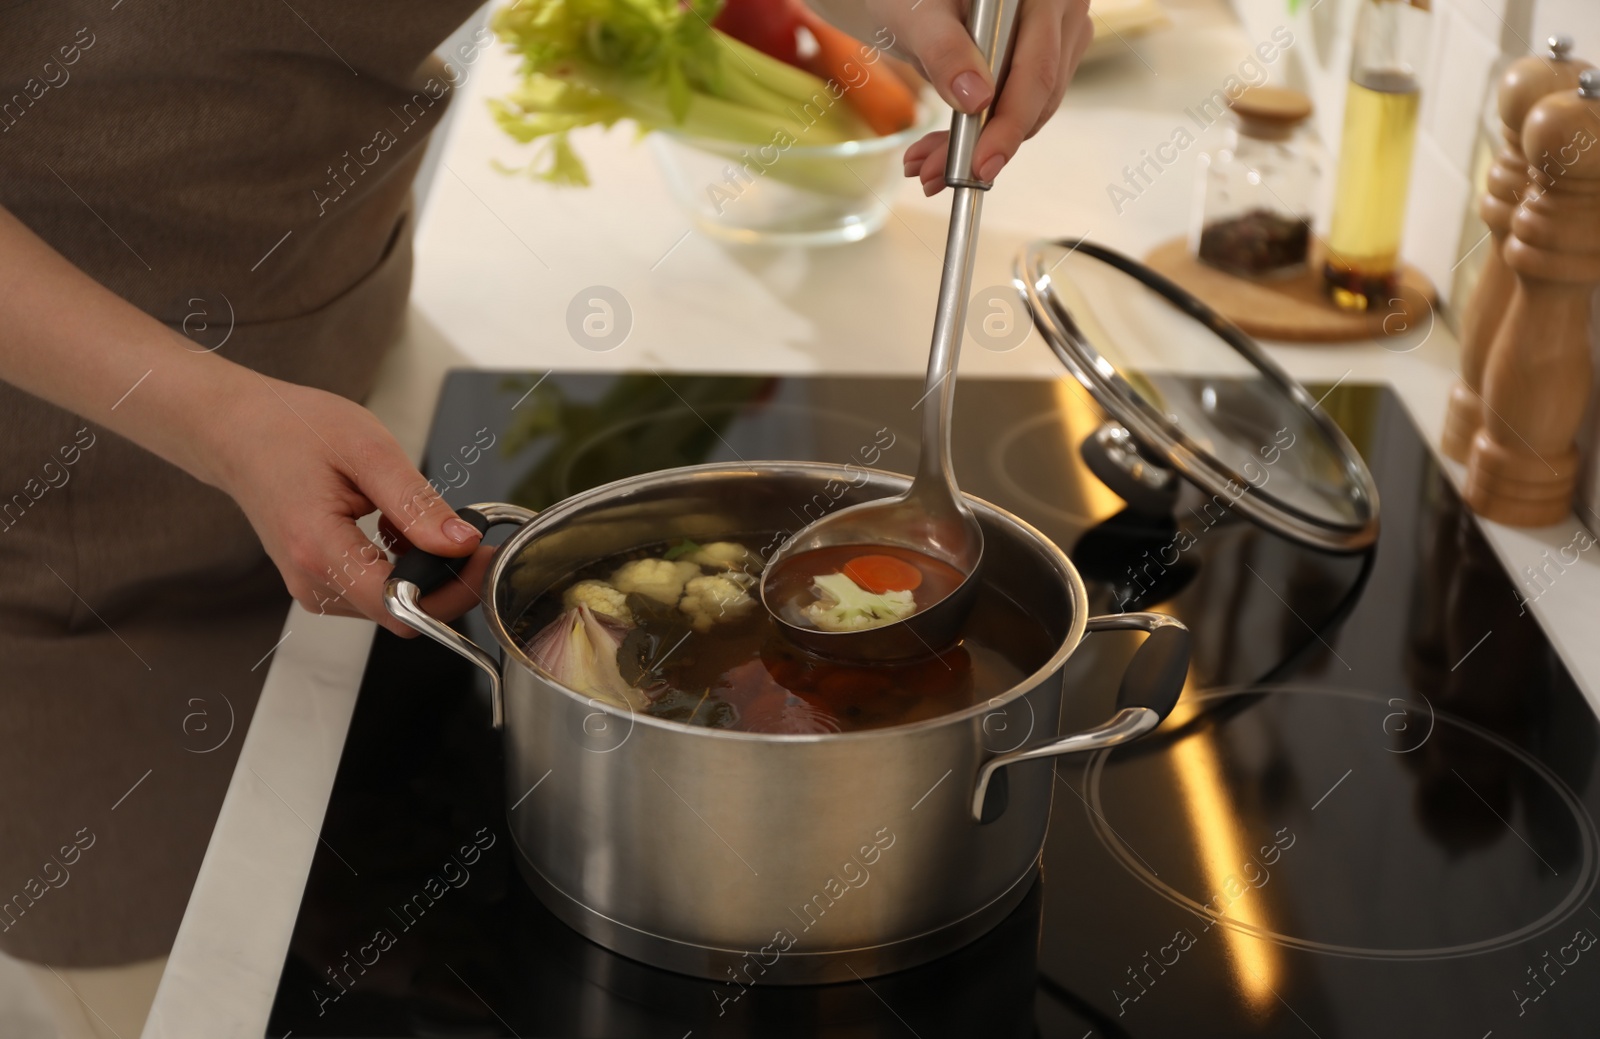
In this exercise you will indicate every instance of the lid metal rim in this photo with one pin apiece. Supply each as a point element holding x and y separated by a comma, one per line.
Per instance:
<point>1185,455</point>
<point>1218,481</point>
<point>1194,462</point>
<point>1122,402</point>
<point>1208,473</point>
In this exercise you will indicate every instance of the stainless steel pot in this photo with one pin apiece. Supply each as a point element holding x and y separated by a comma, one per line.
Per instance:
<point>765,858</point>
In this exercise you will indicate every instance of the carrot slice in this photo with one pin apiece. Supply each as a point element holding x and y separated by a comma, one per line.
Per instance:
<point>879,574</point>
<point>879,97</point>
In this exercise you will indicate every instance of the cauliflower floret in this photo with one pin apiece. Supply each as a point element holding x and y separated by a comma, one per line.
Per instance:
<point>846,606</point>
<point>724,555</point>
<point>659,579</point>
<point>708,600</point>
<point>600,597</point>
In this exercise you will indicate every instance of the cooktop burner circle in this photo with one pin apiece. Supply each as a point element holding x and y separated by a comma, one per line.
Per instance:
<point>1043,438</point>
<point>1459,843</point>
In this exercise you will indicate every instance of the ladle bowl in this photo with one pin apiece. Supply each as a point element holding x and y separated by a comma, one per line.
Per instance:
<point>942,528</point>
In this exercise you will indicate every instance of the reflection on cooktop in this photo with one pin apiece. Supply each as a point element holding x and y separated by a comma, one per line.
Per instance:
<point>1370,815</point>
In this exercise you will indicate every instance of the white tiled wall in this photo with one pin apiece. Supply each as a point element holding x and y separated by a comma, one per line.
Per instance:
<point>1466,55</point>
<point>1579,17</point>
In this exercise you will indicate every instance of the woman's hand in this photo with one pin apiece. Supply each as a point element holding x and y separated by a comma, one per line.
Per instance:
<point>304,465</point>
<point>1051,36</point>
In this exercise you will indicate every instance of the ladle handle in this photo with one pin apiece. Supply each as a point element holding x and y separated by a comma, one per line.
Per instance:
<point>991,23</point>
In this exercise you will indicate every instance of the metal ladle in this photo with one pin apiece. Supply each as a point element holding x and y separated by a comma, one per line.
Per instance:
<point>931,516</point>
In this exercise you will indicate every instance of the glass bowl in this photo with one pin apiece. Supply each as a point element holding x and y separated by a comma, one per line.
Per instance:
<point>796,195</point>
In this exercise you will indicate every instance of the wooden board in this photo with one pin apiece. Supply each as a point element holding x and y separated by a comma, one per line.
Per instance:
<point>1295,309</point>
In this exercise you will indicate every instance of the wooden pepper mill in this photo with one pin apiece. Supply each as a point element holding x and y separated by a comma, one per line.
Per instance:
<point>1536,383</point>
<point>1525,82</point>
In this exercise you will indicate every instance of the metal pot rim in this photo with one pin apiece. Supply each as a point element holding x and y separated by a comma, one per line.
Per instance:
<point>564,509</point>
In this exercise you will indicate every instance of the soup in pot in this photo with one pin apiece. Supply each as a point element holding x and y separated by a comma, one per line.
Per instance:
<point>677,631</point>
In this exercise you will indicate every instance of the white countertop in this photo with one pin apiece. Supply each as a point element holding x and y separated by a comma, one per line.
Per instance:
<point>499,259</point>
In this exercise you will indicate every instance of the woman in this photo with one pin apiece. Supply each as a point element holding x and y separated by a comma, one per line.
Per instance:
<point>196,289</point>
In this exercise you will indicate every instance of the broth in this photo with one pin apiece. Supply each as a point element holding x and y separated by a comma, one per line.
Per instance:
<point>729,667</point>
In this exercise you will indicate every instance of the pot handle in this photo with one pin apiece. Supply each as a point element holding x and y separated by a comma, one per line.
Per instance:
<point>418,573</point>
<point>1150,689</point>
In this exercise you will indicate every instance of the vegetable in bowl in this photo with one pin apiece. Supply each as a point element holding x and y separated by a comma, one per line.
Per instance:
<point>664,65</point>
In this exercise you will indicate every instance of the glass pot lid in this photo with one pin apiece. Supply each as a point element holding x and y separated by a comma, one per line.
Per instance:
<point>1191,395</point>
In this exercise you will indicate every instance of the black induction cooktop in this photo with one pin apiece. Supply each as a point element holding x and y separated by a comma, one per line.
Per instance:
<point>1371,814</point>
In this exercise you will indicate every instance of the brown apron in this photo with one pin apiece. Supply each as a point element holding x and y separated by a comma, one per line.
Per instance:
<point>241,171</point>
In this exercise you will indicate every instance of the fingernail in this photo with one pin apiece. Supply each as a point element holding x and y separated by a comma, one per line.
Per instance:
<point>971,90</point>
<point>460,531</point>
<point>912,168</point>
<point>931,186</point>
<point>992,168</point>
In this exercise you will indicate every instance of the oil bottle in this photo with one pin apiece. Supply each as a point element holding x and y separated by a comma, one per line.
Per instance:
<point>1380,131</point>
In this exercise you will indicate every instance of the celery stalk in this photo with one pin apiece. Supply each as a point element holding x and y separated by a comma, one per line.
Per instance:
<point>778,76</point>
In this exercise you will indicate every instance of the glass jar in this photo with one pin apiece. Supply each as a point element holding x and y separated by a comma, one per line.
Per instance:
<point>1257,194</point>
